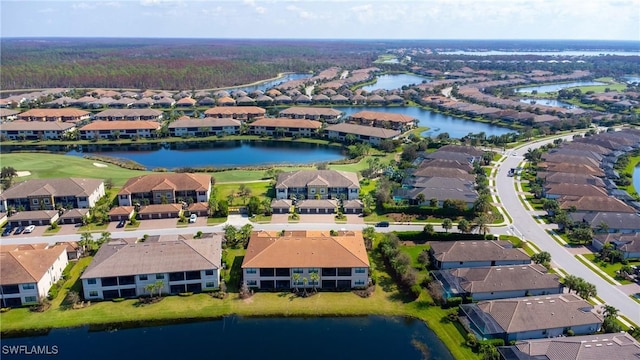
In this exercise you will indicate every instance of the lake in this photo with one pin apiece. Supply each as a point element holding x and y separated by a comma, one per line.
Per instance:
<point>266,85</point>
<point>548,102</point>
<point>396,81</point>
<point>237,153</point>
<point>557,87</point>
<point>572,53</point>
<point>369,337</point>
<point>436,122</point>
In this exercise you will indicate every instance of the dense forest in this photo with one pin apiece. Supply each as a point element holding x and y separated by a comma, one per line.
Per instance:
<point>183,64</point>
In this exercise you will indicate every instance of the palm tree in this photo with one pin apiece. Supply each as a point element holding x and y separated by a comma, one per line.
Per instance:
<point>296,279</point>
<point>420,198</point>
<point>447,224</point>
<point>159,285</point>
<point>463,226</point>
<point>151,288</point>
<point>571,282</point>
<point>305,281</point>
<point>610,311</point>
<point>315,278</point>
<point>86,241</point>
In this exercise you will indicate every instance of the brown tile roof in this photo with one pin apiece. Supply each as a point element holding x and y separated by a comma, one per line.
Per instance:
<point>318,204</point>
<point>27,266</point>
<point>160,208</point>
<point>281,204</point>
<point>330,178</point>
<point>305,249</point>
<point>287,123</point>
<point>206,122</point>
<point>53,187</point>
<point>504,278</point>
<point>22,125</point>
<point>382,116</point>
<point>34,215</point>
<point>536,313</point>
<point>233,110</point>
<point>121,210</point>
<point>177,181</point>
<point>64,112</point>
<point>121,258</point>
<point>121,125</point>
<point>574,168</point>
<point>447,251</point>
<point>355,129</point>
<point>589,347</point>
<point>594,203</point>
<point>199,206</point>
<point>299,110</point>
<point>575,190</point>
<point>110,113</point>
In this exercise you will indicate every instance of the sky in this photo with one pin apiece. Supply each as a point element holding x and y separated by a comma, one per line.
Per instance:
<point>324,19</point>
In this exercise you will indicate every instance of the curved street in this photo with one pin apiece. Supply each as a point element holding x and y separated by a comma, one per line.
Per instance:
<point>525,225</point>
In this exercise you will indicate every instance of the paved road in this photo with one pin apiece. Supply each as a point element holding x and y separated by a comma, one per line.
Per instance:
<point>526,225</point>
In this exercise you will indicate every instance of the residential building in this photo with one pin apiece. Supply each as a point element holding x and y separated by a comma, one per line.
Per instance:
<point>610,222</point>
<point>589,204</point>
<point>30,130</point>
<point>328,115</point>
<point>101,129</point>
<point>125,268</point>
<point>160,211</point>
<point>65,114</point>
<point>281,206</point>
<point>532,317</point>
<point>368,134</point>
<point>48,194</point>
<point>313,206</point>
<point>555,191</point>
<point>498,282</point>
<point>29,271</point>
<point>243,113</point>
<point>8,114</point>
<point>628,244</point>
<point>285,127</point>
<point>129,114</point>
<point>439,188</point>
<point>464,254</point>
<point>165,188</point>
<point>204,127</point>
<point>274,258</point>
<point>587,347</point>
<point>325,184</point>
<point>35,217</point>
<point>384,119</point>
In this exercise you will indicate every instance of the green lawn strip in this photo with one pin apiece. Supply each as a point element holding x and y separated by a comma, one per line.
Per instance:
<point>591,265</point>
<point>376,218</point>
<point>368,186</point>
<point>362,164</point>
<point>242,175</point>
<point>51,231</point>
<point>635,298</point>
<point>72,282</point>
<point>610,269</point>
<point>261,219</point>
<point>260,189</point>
<point>129,226</point>
<point>414,251</point>
<point>93,227</point>
<point>43,165</point>
<point>216,220</point>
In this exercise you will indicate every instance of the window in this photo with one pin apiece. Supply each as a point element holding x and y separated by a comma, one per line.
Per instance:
<point>143,277</point>
<point>91,281</point>
<point>298,271</point>
<point>46,201</point>
<point>252,283</point>
<point>208,272</point>
<point>210,284</point>
<point>313,270</point>
<point>361,270</point>
<point>30,299</point>
<point>359,282</point>
<point>93,293</point>
<point>250,271</point>
<point>28,286</point>
<point>344,271</point>
<point>34,201</point>
<point>159,276</point>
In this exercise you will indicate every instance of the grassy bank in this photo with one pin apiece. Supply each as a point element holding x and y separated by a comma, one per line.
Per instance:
<point>385,301</point>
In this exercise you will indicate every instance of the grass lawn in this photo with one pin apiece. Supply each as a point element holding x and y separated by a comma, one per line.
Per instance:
<point>236,176</point>
<point>216,220</point>
<point>51,231</point>
<point>414,251</point>
<point>260,189</point>
<point>610,269</point>
<point>43,165</point>
<point>362,164</point>
<point>261,219</point>
<point>96,227</point>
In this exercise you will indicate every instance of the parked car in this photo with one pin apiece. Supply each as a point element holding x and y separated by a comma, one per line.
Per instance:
<point>29,229</point>
<point>121,223</point>
<point>382,224</point>
<point>193,218</point>
<point>7,231</point>
<point>19,230</point>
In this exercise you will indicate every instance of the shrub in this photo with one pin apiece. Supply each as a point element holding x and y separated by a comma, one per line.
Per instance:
<point>453,301</point>
<point>415,290</point>
<point>493,342</point>
<point>184,294</point>
<point>116,300</point>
